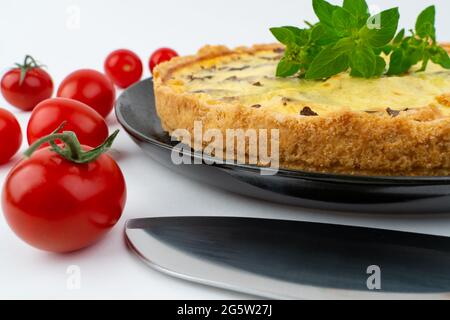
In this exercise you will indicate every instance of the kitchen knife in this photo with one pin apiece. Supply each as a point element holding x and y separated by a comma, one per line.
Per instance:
<point>295,260</point>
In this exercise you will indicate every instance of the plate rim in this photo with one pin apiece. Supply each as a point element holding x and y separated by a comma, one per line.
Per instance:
<point>288,173</point>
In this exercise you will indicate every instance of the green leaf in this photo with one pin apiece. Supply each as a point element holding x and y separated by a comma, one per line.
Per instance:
<point>363,62</point>
<point>399,37</point>
<point>359,9</point>
<point>414,52</point>
<point>381,28</point>
<point>332,60</point>
<point>324,11</point>
<point>343,22</point>
<point>283,34</point>
<point>345,45</point>
<point>400,63</point>
<point>441,57</point>
<point>387,49</point>
<point>380,67</point>
<point>308,55</point>
<point>356,7</point>
<point>301,36</point>
<point>287,68</point>
<point>425,61</point>
<point>288,35</point>
<point>347,37</point>
<point>323,35</point>
<point>425,23</point>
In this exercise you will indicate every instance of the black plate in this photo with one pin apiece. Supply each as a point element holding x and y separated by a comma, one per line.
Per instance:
<point>135,110</point>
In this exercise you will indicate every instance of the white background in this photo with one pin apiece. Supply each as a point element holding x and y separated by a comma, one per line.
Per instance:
<point>45,29</point>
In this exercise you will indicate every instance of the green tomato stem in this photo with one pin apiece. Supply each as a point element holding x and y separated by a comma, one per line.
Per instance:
<point>29,63</point>
<point>72,150</point>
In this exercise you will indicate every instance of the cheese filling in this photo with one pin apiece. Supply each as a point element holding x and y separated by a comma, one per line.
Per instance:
<point>249,79</point>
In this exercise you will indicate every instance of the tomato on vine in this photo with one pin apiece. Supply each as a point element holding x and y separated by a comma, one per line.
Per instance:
<point>26,85</point>
<point>66,196</point>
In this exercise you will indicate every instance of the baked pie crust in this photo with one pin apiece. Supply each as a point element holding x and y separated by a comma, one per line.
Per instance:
<point>392,126</point>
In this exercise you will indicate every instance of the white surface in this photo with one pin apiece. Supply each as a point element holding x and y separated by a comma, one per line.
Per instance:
<point>108,270</point>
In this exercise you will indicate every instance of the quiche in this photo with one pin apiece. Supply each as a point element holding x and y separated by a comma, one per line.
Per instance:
<point>389,126</point>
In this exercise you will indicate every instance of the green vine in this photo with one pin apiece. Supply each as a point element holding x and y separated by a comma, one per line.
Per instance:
<point>29,63</point>
<point>72,150</point>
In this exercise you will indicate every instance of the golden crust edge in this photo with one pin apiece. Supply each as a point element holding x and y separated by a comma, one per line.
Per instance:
<point>338,143</point>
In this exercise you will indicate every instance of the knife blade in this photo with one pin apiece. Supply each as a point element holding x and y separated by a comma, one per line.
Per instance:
<point>282,259</point>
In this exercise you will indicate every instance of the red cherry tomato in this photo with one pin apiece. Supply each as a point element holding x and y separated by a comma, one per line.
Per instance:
<point>58,205</point>
<point>123,67</point>
<point>10,136</point>
<point>161,55</point>
<point>27,85</point>
<point>90,87</point>
<point>89,126</point>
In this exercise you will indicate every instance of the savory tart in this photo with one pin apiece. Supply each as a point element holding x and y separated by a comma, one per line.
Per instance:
<point>397,125</point>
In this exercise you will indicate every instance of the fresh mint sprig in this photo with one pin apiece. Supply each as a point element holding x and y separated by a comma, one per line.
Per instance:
<point>419,47</point>
<point>347,38</point>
